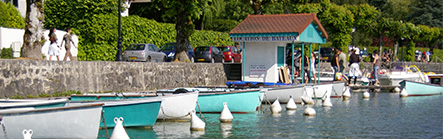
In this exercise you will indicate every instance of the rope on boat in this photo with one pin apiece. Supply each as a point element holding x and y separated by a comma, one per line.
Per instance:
<point>200,112</point>
<point>267,100</point>
<point>4,128</point>
<point>104,123</point>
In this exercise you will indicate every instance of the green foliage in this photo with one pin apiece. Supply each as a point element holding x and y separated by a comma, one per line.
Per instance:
<point>10,16</point>
<point>410,53</point>
<point>64,94</point>
<point>205,38</point>
<point>222,25</point>
<point>74,13</point>
<point>6,53</point>
<point>427,12</point>
<point>99,37</point>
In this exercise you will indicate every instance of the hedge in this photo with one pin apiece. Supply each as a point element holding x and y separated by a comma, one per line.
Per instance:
<point>10,17</point>
<point>98,38</point>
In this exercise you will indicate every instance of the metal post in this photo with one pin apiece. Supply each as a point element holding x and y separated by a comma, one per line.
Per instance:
<point>292,78</point>
<point>318,69</point>
<point>302,62</point>
<point>309,60</point>
<point>243,61</point>
<point>119,45</point>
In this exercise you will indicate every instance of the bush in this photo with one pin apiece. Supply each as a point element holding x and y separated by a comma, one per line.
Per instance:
<point>98,38</point>
<point>6,53</point>
<point>10,16</point>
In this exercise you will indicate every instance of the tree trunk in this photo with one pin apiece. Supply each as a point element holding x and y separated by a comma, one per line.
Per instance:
<point>380,47</point>
<point>184,29</point>
<point>33,37</point>
<point>394,58</point>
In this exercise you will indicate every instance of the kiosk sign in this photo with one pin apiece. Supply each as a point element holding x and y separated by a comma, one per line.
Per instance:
<point>265,39</point>
<point>257,71</point>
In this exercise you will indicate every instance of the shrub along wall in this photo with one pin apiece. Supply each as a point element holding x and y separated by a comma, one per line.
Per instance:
<point>98,38</point>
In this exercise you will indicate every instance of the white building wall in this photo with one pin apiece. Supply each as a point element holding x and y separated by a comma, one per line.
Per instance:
<point>258,56</point>
<point>8,36</point>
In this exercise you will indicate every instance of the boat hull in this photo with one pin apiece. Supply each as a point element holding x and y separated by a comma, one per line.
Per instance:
<point>317,91</point>
<point>178,106</point>
<point>140,112</point>
<point>60,122</point>
<point>34,103</point>
<point>238,101</point>
<point>421,89</point>
<point>394,79</point>
<point>173,106</point>
<point>283,94</point>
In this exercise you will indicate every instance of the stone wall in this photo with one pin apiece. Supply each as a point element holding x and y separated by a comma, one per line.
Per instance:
<point>34,77</point>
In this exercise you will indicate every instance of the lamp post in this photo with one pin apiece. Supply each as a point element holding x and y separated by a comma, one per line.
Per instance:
<point>119,45</point>
<point>352,40</point>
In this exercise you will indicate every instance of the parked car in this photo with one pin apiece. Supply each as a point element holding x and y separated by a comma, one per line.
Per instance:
<point>231,53</point>
<point>208,54</point>
<point>326,54</point>
<point>143,52</point>
<point>169,50</point>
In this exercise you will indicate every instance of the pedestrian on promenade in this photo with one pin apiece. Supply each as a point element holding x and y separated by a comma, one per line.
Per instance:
<point>341,60</point>
<point>312,67</point>
<point>54,50</point>
<point>376,67</point>
<point>334,63</point>
<point>354,69</point>
<point>67,39</point>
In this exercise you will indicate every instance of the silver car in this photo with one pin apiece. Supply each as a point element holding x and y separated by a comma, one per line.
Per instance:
<point>143,52</point>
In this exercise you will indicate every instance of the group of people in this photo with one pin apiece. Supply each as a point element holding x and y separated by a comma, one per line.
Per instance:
<point>54,49</point>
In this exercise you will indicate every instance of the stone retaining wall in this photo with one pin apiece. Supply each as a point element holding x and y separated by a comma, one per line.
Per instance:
<point>34,77</point>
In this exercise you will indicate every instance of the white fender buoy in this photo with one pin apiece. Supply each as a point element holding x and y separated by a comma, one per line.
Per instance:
<point>119,132</point>
<point>396,89</point>
<point>366,94</point>
<point>27,134</point>
<point>309,111</point>
<point>276,107</point>
<point>196,123</point>
<point>346,93</point>
<point>225,115</point>
<point>291,104</point>
<point>326,100</point>
<point>403,93</point>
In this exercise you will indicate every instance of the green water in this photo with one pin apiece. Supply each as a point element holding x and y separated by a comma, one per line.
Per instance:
<point>383,115</point>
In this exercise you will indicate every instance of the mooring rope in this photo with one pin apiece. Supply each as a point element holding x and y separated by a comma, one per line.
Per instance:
<point>200,112</point>
<point>104,123</point>
<point>4,129</point>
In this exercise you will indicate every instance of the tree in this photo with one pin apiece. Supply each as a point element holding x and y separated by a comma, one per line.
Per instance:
<point>396,9</point>
<point>10,16</point>
<point>33,37</point>
<point>427,12</point>
<point>185,11</point>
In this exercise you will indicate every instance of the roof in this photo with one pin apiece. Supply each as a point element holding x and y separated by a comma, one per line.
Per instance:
<point>281,23</point>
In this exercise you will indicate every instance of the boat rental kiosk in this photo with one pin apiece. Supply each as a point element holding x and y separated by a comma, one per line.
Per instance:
<point>264,38</point>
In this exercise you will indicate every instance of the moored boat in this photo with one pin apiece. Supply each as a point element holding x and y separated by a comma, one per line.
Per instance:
<point>34,103</point>
<point>414,88</point>
<point>173,107</point>
<point>400,73</point>
<point>239,101</point>
<point>80,121</point>
<point>141,112</point>
<point>337,89</point>
<point>283,93</point>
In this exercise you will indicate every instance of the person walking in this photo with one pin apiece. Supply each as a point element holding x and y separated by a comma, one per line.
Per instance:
<point>312,67</point>
<point>354,69</point>
<point>376,67</point>
<point>54,50</point>
<point>67,39</point>
<point>341,60</point>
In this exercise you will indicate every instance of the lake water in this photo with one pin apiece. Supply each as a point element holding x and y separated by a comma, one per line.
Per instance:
<point>383,115</point>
